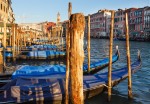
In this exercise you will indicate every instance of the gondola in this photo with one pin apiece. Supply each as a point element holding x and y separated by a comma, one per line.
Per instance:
<point>51,88</point>
<point>37,52</point>
<point>45,70</point>
<point>46,54</point>
<point>37,55</point>
<point>40,47</point>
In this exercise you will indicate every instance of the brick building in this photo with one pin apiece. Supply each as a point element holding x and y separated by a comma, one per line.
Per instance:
<point>147,22</point>
<point>119,24</point>
<point>49,25</point>
<point>136,22</point>
<point>99,23</point>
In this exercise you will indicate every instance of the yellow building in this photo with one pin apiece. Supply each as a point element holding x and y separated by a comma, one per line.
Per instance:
<point>6,11</point>
<point>6,16</point>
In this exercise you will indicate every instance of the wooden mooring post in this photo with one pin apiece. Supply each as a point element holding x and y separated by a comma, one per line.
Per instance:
<point>18,39</point>
<point>77,25</point>
<point>10,38</point>
<point>4,45</point>
<point>13,42</point>
<point>62,47</point>
<point>24,40</point>
<point>110,56</point>
<point>89,44</point>
<point>128,57</point>
<point>68,51</point>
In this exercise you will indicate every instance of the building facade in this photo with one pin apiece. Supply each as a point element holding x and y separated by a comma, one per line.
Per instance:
<point>136,23</point>
<point>147,22</point>
<point>119,23</point>
<point>6,16</point>
<point>99,25</point>
<point>6,11</point>
<point>64,25</point>
<point>49,26</point>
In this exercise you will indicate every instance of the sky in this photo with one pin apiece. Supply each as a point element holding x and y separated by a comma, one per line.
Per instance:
<point>35,11</point>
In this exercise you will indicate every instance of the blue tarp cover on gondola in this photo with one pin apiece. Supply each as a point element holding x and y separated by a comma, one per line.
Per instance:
<point>55,69</point>
<point>44,53</point>
<point>51,88</point>
<point>47,46</point>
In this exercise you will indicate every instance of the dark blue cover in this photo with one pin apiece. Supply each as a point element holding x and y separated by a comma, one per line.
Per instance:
<point>45,70</point>
<point>51,88</point>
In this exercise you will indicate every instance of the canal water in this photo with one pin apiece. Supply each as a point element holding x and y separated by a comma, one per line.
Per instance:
<point>140,80</point>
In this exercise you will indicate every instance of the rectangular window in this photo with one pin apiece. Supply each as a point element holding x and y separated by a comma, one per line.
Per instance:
<point>1,6</point>
<point>141,28</point>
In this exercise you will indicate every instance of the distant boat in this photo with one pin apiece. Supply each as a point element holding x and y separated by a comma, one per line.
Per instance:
<point>40,47</point>
<point>48,54</point>
<point>37,52</point>
<point>121,38</point>
<point>115,39</point>
<point>52,88</point>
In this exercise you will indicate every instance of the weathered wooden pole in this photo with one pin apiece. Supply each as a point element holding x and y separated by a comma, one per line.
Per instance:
<point>24,39</point>
<point>16,42</point>
<point>4,44</point>
<point>89,44</point>
<point>18,38</point>
<point>77,25</point>
<point>10,37</point>
<point>68,51</point>
<point>62,48</point>
<point>30,37</point>
<point>21,41</point>
<point>13,42</point>
<point>110,56</point>
<point>128,57</point>
<point>49,35</point>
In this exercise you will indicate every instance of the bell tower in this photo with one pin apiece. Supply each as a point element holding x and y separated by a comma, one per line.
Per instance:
<point>58,18</point>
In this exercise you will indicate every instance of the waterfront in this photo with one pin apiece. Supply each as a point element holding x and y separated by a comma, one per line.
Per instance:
<point>140,80</point>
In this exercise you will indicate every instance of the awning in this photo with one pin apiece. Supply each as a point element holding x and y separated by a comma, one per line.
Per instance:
<point>7,24</point>
<point>147,30</point>
<point>134,33</point>
<point>1,33</point>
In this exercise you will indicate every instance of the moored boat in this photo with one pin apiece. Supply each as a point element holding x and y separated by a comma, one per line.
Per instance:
<point>48,54</point>
<point>45,70</point>
<point>51,88</point>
